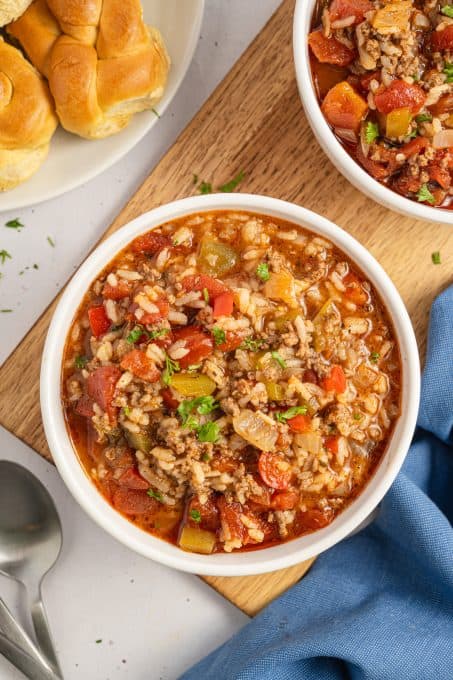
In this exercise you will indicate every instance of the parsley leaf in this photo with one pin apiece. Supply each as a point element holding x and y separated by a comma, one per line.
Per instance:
<point>262,272</point>
<point>170,368</point>
<point>231,186</point>
<point>50,241</point>
<point>202,405</point>
<point>155,494</point>
<point>135,335</point>
<point>251,344</point>
<point>279,359</point>
<point>357,416</point>
<point>206,295</point>
<point>205,188</point>
<point>425,196</point>
<point>374,357</point>
<point>283,416</point>
<point>371,132</point>
<point>81,361</point>
<point>435,257</point>
<point>158,333</point>
<point>5,311</point>
<point>447,11</point>
<point>423,118</point>
<point>209,432</point>
<point>219,335</point>
<point>15,224</point>
<point>4,255</point>
<point>156,113</point>
<point>195,515</point>
<point>448,70</point>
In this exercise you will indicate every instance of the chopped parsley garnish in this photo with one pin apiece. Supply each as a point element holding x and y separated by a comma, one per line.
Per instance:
<point>209,432</point>
<point>155,494</point>
<point>206,295</point>
<point>156,113</point>
<point>231,186</point>
<point>435,257</point>
<point>423,118</point>
<point>279,359</point>
<point>413,134</point>
<point>5,311</point>
<point>205,188</point>
<point>14,224</point>
<point>195,178</point>
<point>253,345</point>
<point>447,11</point>
<point>4,255</point>
<point>424,195</point>
<point>283,416</point>
<point>127,411</point>
<point>262,272</point>
<point>170,368</point>
<point>50,241</point>
<point>81,361</point>
<point>202,405</point>
<point>371,132</point>
<point>35,266</point>
<point>118,327</point>
<point>98,642</point>
<point>205,457</point>
<point>219,335</point>
<point>135,334</point>
<point>158,333</point>
<point>448,70</point>
<point>357,416</point>
<point>195,515</point>
<point>374,357</point>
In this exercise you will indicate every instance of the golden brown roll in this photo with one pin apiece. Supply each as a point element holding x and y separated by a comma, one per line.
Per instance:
<point>27,118</point>
<point>11,9</point>
<point>102,62</point>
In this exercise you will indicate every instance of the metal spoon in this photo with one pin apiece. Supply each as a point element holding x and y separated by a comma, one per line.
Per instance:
<point>30,542</point>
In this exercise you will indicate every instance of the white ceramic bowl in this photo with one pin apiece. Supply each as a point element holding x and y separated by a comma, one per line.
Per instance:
<point>257,561</point>
<point>326,138</point>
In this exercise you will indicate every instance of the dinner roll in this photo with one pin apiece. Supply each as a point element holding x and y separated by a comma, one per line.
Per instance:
<point>102,62</point>
<point>27,118</point>
<point>11,9</point>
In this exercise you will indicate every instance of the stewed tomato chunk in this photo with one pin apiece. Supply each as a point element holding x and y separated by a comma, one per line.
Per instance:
<point>101,386</point>
<point>198,343</point>
<point>99,321</point>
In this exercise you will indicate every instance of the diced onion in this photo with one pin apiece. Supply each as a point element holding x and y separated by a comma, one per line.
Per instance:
<point>256,429</point>
<point>309,441</point>
<point>347,135</point>
<point>443,139</point>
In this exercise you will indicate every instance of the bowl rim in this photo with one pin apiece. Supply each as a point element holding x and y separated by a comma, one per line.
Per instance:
<point>246,563</point>
<point>340,158</point>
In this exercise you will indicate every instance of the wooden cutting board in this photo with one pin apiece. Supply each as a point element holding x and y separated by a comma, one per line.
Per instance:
<point>254,122</point>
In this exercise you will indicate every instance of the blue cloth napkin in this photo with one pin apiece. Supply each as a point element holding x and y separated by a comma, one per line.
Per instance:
<point>378,606</point>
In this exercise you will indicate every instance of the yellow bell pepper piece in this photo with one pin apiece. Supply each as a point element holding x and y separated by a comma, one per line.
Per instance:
<point>275,392</point>
<point>193,384</point>
<point>197,540</point>
<point>393,18</point>
<point>397,123</point>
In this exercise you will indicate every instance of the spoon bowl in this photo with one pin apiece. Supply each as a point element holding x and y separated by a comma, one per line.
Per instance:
<point>30,541</point>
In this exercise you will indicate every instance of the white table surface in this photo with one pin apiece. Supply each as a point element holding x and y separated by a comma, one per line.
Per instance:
<point>153,622</point>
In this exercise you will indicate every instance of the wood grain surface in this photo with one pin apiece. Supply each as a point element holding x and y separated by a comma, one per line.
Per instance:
<point>254,122</point>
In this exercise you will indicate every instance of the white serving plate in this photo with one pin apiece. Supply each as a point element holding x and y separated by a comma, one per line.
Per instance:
<point>72,161</point>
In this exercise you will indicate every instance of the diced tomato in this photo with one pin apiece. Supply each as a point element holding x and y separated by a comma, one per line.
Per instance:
<point>140,365</point>
<point>150,243</point>
<point>342,9</point>
<point>169,400</point>
<point>381,169</point>
<point>208,513</point>
<point>223,305</point>
<point>224,463</point>
<point>133,501</point>
<point>329,50</point>
<point>230,517</point>
<point>335,381</point>
<point>299,423</point>
<point>400,94</point>
<point>199,344</point>
<point>275,471</point>
<point>344,108</point>
<point>442,40</point>
<point>314,519</point>
<point>310,376</point>
<point>101,386</point>
<point>99,321</point>
<point>327,75</point>
<point>440,169</point>
<point>416,145</point>
<point>365,80</point>
<point>285,500</point>
<point>354,289</point>
<point>203,281</point>
<point>232,342</point>
<point>132,479</point>
<point>84,406</point>
<point>331,444</point>
<point>118,292</point>
<point>444,105</point>
<point>150,318</point>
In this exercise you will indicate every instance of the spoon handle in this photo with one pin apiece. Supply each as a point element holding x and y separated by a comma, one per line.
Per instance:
<point>17,635</point>
<point>43,634</point>
<point>23,662</point>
